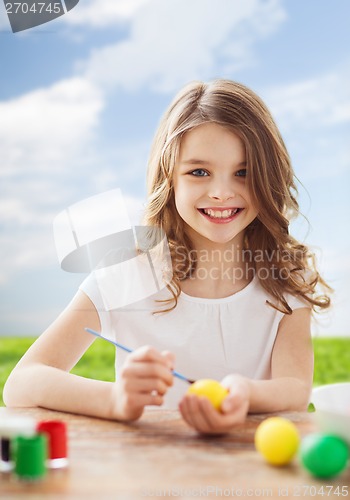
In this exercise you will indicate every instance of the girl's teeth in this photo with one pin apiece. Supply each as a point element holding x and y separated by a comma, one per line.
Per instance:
<point>220,214</point>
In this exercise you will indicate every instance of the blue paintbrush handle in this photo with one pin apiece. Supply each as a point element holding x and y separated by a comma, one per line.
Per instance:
<point>126,349</point>
<point>108,340</point>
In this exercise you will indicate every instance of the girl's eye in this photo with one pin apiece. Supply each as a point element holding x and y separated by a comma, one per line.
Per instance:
<point>242,172</point>
<point>199,172</point>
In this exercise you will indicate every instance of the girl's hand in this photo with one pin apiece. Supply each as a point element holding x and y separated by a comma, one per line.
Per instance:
<point>199,413</point>
<point>144,379</point>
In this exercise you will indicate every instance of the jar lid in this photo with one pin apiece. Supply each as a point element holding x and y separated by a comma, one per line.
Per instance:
<point>17,426</point>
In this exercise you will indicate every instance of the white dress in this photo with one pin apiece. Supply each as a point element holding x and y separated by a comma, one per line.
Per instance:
<point>210,338</point>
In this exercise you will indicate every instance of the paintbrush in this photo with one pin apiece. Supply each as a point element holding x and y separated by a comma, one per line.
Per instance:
<point>126,349</point>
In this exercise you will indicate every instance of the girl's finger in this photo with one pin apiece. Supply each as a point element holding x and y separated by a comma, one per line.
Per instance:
<point>140,400</point>
<point>148,354</point>
<point>143,370</point>
<point>170,359</point>
<point>186,411</point>
<point>221,422</point>
<point>147,386</point>
<point>207,419</point>
<point>183,407</point>
<point>198,417</point>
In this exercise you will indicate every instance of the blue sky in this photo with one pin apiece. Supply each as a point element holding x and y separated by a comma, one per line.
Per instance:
<point>81,96</point>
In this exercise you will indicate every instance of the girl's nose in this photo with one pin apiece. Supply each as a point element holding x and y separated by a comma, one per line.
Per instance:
<point>221,190</point>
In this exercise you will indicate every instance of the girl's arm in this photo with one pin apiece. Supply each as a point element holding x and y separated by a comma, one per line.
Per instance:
<point>288,389</point>
<point>292,367</point>
<point>42,378</point>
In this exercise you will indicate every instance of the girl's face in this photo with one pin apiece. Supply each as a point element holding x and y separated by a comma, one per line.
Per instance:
<point>211,194</point>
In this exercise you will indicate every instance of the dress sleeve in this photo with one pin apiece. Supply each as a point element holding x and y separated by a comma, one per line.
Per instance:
<point>296,302</point>
<point>90,288</point>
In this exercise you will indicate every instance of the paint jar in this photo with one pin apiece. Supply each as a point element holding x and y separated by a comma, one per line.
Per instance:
<point>56,432</point>
<point>9,429</point>
<point>30,455</point>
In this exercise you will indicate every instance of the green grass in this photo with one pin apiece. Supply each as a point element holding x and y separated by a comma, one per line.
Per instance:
<point>97,362</point>
<point>332,360</point>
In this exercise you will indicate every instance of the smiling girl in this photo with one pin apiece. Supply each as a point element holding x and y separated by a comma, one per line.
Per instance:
<point>239,305</point>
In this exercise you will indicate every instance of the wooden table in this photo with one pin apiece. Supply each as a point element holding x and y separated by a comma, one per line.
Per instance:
<point>160,456</point>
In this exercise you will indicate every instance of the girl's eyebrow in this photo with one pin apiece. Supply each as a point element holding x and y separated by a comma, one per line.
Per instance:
<point>197,161</point>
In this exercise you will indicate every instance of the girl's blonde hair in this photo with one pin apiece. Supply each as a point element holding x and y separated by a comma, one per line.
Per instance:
<point>270,180</point>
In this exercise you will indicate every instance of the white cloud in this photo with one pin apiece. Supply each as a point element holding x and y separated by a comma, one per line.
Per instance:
<point>102,13</point>
<point>334,266</point>
<point>43,137</point>
<point>335,321</point>
<point>42,128</point>
<point>21,250</point>
<point>314,103</point>
<point>49,160</point>
<point>313,116</point>
<point>27,208</point>
<point>175,41</point>
<point>30,202</point>
<point>335,261</point>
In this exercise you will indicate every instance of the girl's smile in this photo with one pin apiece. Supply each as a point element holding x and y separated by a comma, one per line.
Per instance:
<point>220,215</point>
<point>211,193</point>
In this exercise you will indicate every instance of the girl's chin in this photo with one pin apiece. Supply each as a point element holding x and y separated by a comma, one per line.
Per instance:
<point>222,240</point>
<point>217,237</point>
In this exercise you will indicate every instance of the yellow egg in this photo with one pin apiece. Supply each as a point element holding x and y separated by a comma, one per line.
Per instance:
<point>211,389</point>
<point>277,439</point>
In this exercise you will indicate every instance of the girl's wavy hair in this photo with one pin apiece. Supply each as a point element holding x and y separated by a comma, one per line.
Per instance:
<point>270,180</point>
